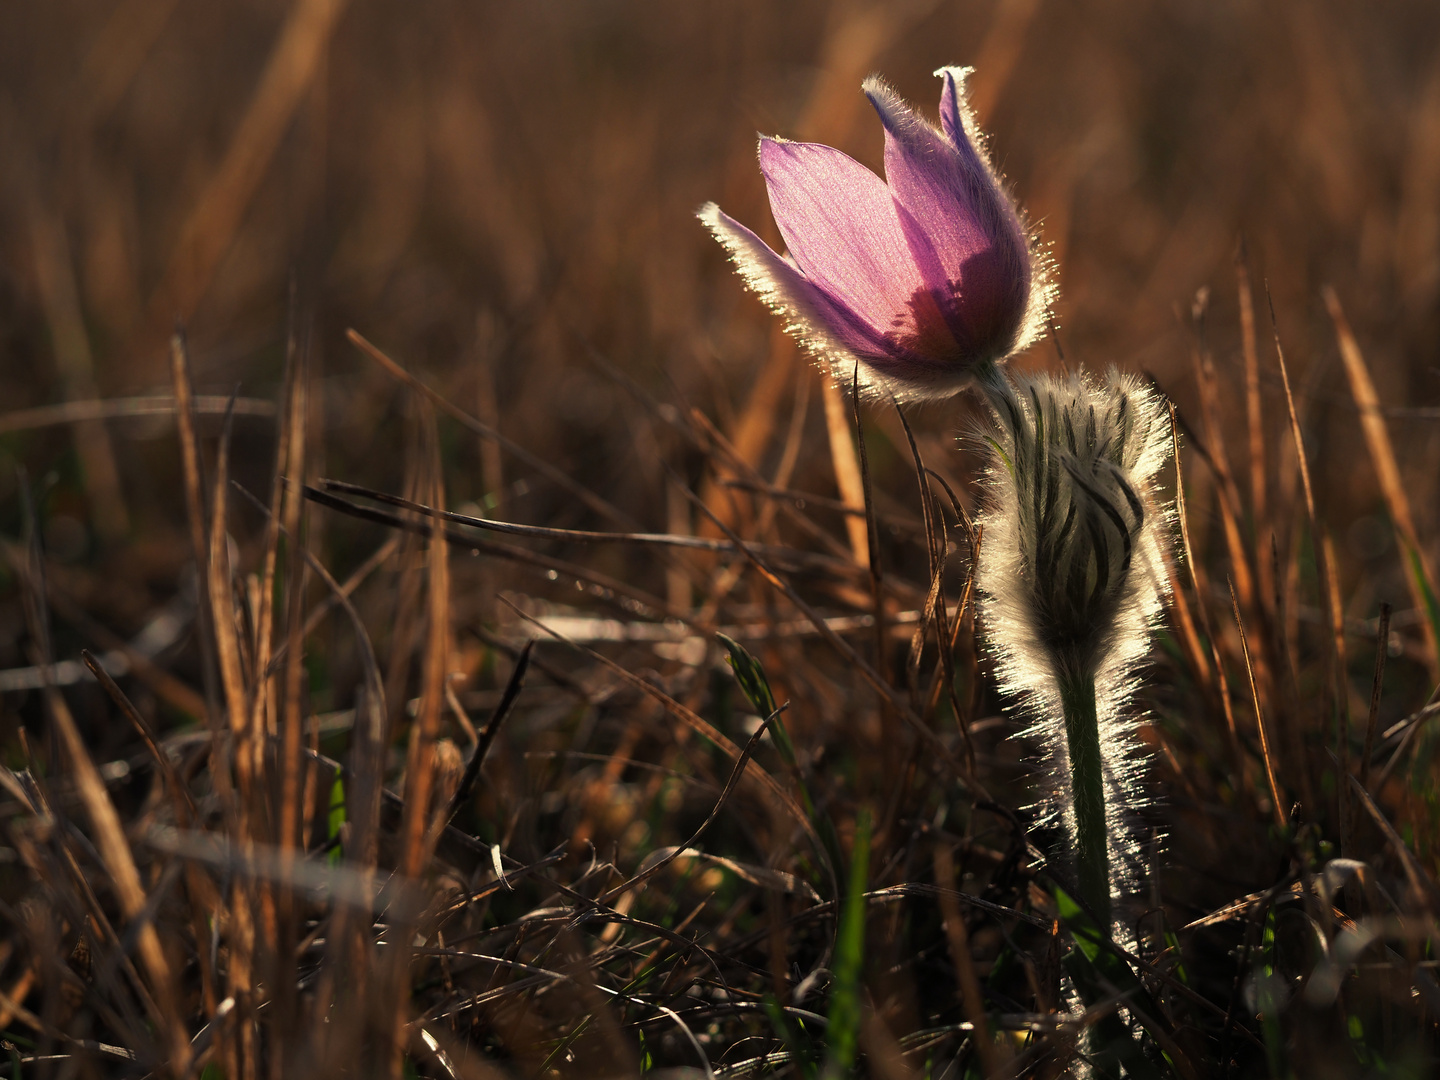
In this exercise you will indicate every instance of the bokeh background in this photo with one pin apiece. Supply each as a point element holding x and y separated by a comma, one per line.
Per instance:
<point>502,196</point>
<point>497,192</point>
<point>493,191</point>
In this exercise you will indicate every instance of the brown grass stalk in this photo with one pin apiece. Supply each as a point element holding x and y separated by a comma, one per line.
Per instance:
<point>1418,572</point>
<point>1281,816</point>
<point>1332,672</point>
<point>211,226</point>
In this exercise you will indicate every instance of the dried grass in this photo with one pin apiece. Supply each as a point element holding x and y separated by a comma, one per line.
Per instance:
<point>371,815</point>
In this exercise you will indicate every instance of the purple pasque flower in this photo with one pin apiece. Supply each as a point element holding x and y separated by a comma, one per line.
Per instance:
<point>919,277</point>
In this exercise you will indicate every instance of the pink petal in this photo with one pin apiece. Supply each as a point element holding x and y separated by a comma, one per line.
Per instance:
<point>949,189</point>
<point>956,119</point>
<point>826,326</point>
<point>846,233</point>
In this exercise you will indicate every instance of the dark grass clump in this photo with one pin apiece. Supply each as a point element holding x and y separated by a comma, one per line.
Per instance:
<point>769,825</point>
<point>699,767</point>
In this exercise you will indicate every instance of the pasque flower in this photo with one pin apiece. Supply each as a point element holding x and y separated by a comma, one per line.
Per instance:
<point>919,277</point>
<point>1071,578</point>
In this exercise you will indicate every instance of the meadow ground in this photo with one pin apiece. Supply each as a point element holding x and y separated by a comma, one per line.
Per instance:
<point>447,254</point>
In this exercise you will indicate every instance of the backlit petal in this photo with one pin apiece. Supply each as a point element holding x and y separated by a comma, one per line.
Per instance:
<point>846,233</point>
<point>824,325</point>
<point>948,187</point>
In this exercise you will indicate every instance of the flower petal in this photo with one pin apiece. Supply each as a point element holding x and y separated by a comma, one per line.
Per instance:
<point>956,119</point>
<point>846,233</point>
<point>833,333</point>
<point>824,325</point>
<point>948,187</point>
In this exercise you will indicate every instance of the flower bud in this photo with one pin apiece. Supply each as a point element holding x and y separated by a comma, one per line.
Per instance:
<point>1071,571</point>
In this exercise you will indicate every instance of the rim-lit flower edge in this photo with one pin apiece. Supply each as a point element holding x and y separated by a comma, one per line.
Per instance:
<point>1018,606</point>
<point>950,206</point>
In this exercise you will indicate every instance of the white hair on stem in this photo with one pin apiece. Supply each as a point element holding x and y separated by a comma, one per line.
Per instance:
<point>1072,579</point>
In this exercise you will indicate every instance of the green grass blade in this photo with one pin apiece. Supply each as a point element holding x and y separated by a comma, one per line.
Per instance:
<point>1099,974</point>
<point>751,677</point>
<point>335,821</point>
<point>1422,585</point>
<point>844,1019</point>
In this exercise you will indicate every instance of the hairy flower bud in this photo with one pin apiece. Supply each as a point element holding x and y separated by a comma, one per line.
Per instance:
<point>1071,577</point>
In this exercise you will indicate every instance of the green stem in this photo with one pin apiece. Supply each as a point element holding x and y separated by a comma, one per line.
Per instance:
<point>1087,786</point>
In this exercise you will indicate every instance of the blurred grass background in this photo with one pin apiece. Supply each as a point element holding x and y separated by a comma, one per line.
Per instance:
<point>490,190</point>
<point>501,196</point>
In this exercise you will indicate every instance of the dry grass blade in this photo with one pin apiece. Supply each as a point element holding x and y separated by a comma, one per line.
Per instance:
<point>647,601</point>
<point>1254,412</point>
<point>542,532</point>
<point>420,758</point>
<point>1254,423</point>
<point>1382,648</point>
<point>1424,888</point>
<point>288,493</point>
<point>934,556</point>
<point>511,695</point>
<point>1334,676</point>
<point>192,470</point>
<point>872,537</point>
<point>245,750</point>
<point>1387,469</point>
<point>781,798</point>
<point>1189,631</point>
<point>1223,686</point>
<point>174,785</point>
<point>846,466</point>
<point>539,464</point>
<point>211,226</point>
<point>416,847</point>
<point>263,704</point>
<point>222,605</point>
<point>1265,748</point>
<point>1218,459</point>
<point>1302,459</point>
<point>1336,609</point>
<point>972,1001</point>
<point>74,412</point>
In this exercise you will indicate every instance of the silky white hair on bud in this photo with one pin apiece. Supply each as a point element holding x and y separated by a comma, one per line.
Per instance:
<point>1071,573</point>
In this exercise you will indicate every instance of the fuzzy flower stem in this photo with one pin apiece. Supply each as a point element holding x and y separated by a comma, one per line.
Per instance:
<point>1087,784</point>
<point>1071,577</point>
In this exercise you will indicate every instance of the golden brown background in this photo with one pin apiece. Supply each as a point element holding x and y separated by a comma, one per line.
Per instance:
<point>501,193</point>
